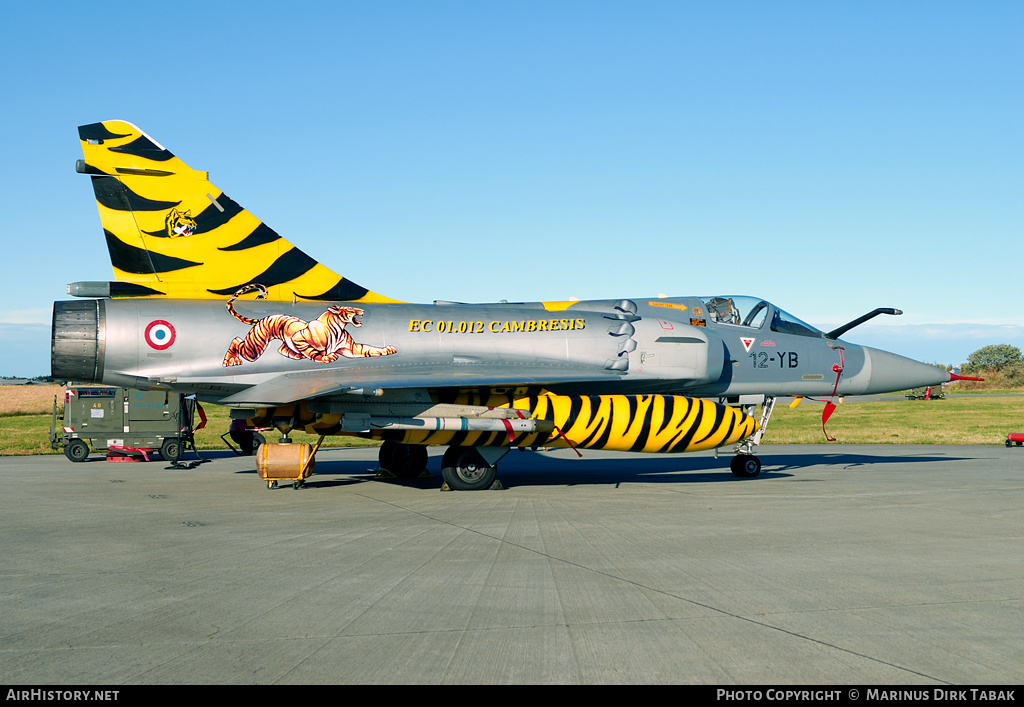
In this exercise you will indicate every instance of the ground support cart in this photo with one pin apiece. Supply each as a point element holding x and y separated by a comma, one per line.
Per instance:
<point>126,421</point>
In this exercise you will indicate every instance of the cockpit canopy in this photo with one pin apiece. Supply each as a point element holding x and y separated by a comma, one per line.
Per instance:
<point>753,312</point>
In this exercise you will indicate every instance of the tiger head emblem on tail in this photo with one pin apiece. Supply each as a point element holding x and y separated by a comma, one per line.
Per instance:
<point>180,224</point>
<point>323,340</point>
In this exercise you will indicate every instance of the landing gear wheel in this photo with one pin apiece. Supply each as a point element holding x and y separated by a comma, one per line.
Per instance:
<point>170,450</point>
<point>745,466</point>
<point>464,469</point>
<point>76,450</point>
<point>406,461</point>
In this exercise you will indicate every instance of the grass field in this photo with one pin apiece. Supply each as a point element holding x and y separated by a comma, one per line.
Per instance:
<point>968,420</point>
<point>25,414</point>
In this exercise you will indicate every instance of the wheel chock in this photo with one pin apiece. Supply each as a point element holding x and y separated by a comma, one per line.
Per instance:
<point>496,486</point>
<point>383,473</point>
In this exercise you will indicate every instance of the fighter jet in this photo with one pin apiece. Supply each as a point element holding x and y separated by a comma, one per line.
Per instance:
<point>208,300</point>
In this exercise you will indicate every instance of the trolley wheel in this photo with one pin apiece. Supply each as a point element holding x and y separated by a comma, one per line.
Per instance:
<point>76,450</point>
<point>170,450</point>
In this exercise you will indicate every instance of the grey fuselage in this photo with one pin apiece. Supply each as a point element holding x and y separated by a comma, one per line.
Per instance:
<point>720,347</point>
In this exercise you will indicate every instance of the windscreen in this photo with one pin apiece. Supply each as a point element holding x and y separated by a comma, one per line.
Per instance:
<point>786,323</point>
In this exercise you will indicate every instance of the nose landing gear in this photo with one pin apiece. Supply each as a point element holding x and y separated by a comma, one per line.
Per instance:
<point>745,466</point>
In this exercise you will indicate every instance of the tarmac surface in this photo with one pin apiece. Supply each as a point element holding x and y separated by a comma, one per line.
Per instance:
<point>840,564</point>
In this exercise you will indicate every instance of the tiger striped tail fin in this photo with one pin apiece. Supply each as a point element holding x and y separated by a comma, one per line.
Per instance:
<point>171,233</point>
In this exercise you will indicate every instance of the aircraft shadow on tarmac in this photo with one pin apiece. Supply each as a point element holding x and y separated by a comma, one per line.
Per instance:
<point>848,461</point>
<point>528,469</point>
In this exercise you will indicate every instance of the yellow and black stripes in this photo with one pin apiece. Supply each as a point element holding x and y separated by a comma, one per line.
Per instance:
<point>637,423</point>
<point>172,232</point>
<point>139,261</point>
<point>642,423</point>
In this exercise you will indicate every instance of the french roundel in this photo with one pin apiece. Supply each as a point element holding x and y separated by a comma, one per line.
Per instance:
<point>160,334</point>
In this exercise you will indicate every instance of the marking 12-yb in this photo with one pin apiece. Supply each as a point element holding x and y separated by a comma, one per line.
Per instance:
<point>785,359</point>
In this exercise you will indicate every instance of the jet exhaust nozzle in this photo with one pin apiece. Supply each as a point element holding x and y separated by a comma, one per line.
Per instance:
<point>77,341</point>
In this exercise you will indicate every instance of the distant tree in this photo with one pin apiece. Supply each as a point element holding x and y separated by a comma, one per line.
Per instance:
<point>1013,374</point>
<point>995,357</point>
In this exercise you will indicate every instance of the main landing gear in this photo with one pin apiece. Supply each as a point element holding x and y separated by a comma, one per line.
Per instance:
<point>746,464</point>
<point>404,461</point>
<point>462,468</point>
<point>465,469</point>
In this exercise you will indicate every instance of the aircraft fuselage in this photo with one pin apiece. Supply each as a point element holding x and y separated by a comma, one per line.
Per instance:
<point>639,345</point>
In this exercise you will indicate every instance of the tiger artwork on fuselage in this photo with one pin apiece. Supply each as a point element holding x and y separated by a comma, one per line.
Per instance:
<point>180,224</point>
<point>323,340</point>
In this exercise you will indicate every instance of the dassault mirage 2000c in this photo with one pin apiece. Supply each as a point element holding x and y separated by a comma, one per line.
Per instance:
<point>208,300</point>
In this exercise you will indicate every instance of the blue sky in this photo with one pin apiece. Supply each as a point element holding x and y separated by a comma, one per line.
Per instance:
<point>829,157</point>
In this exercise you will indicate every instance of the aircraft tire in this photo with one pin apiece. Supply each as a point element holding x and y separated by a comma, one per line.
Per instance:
<point>170,450</point>
<point>745,466</point>
<point>406,461</point>
<point>76,450</point>
<point>464,469</point>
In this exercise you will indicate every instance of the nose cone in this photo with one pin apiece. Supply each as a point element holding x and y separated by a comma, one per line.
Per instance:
<point>888,372</point>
